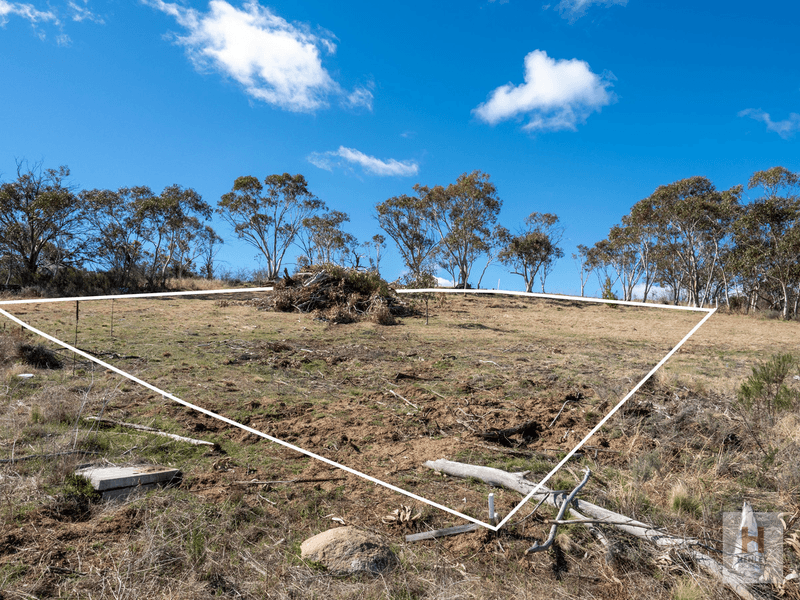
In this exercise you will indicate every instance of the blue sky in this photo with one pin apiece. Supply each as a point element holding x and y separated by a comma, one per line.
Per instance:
<point>577,107</point>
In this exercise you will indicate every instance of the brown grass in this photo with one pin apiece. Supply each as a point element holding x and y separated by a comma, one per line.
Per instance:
<point>677,456</point>
<point>195,283</point>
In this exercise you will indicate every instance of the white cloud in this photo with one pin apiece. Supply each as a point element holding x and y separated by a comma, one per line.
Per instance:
<point>275,61</point>
<point>361,96</point>
<point>655,292</point>
<point>81,12</point>
<point>26,11</point>
<point>786,128</point>
<point>442,282</point>
<point>374,166</point>
<point>575,9</point>
<point>37,18</point>
<point>557,94</point>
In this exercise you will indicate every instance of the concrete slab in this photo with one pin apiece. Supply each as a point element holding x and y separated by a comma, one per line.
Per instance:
<point>119,482</point>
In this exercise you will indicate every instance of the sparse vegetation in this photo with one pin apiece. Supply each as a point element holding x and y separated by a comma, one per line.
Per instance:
<point>676,456</point>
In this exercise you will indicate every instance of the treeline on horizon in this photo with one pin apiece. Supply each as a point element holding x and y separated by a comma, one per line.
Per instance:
<point>702,245</point>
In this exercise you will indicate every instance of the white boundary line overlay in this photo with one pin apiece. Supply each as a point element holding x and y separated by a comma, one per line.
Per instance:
<point>709,311</point>
<point>548,296</point>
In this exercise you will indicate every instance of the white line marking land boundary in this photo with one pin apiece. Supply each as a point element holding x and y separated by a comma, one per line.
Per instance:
<point>549,297</point>
<point>327,460</point>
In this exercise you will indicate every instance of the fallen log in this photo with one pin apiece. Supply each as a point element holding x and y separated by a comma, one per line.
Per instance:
<point>517,482</point>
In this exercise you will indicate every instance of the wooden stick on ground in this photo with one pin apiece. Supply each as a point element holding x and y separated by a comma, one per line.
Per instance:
<point>172,436</point>
<point>403,399</point>
<point>437,533</point>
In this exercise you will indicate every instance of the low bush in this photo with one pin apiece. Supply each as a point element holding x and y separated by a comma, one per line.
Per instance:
<point>40,356</point>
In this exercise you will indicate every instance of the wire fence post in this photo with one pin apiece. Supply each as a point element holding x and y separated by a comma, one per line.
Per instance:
<point>77,317</point>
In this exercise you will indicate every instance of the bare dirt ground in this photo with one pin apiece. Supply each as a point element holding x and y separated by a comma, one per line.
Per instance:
<point>382,400</point>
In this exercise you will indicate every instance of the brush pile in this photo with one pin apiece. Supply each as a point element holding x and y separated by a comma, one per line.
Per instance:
<point>337,295</point>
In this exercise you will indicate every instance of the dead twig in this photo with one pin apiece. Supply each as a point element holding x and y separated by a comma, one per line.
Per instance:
<point>403,399</point>
<point>307,480</point>
<point>563,406</point>
<point>564,505</point>
<point>437,533</point>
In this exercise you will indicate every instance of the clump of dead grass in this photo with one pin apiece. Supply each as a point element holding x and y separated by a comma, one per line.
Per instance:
<point>9,348</point>
<point>195,283</point>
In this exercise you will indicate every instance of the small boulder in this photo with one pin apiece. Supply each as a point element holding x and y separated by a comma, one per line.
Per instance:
<point>347,551</point>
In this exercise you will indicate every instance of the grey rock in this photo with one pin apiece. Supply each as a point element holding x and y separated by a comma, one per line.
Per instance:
<point>347,551</point>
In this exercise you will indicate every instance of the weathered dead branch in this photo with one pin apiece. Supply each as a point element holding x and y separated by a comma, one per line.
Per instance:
<point>437,533</point>
<point>517,482</point>
<point>562,509</point>
<point>171,436</point>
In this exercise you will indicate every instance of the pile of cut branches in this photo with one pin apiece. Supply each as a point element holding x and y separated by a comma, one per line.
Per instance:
<point>337,295</point>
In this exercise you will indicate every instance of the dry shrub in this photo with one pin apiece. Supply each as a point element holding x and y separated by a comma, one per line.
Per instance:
<point>40,356</point>
<point>383,316</point>
<point>282,300</point>
<point>683,502</point>
<point>688,589</point>
<point>337,314</point>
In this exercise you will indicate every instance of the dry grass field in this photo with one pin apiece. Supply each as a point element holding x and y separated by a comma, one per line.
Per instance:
<point>382,400</point>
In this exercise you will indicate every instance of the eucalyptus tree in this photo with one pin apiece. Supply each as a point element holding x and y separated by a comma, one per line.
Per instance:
<point>768,233</point>
<point>692,219</point>
<point>375,247</point>
<point>534,249</point>
<point>463,215</point>
<point>269,215</point>
<point>41,219</point>
<point>584,265</point>
<point>641,238</point>
<point>117,231</point>
<point>324,241</point>
<point>208,244</point>
<point>406,220</point>
<point>621,253</point>
<point>167,221</point>
<point>630,252</point>
<point>600,261</point>
<point>195,252</point>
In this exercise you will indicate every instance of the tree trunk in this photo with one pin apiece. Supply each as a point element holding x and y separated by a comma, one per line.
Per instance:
<point>785,311</point>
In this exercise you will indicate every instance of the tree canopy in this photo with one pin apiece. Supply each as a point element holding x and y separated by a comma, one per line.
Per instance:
<point>269,216</point>
<point>463,215</point>
<point>41,219</point>
<point>534,248</point>
<point>407,221</point>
